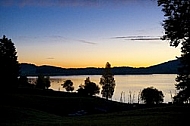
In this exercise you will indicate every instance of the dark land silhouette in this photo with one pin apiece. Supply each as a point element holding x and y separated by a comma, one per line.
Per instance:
<point>169,67</point>
<point>27,106</point>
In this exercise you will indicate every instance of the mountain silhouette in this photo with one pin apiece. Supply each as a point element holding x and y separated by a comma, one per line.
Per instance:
<point>169,67</point>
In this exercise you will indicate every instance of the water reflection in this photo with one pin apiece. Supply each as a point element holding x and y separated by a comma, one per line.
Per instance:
<point>127,87</point>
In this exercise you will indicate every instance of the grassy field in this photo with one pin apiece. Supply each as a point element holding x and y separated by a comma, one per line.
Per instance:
<point>39,110</point>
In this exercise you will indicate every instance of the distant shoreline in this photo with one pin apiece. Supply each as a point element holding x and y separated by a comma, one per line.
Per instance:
<point>169,67</point>
<point>96,74</point>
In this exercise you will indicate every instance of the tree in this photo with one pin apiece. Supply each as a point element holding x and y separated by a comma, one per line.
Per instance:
<point>9,66</point>
<point>43,82</point>
<point>89,88</point>
<point>81,90</point>
<point>151,95</point>
<point>23,82</point>
<point>47,82</point>
<point>107,81</point>
<point>68,85</point>
<point>177,30</point>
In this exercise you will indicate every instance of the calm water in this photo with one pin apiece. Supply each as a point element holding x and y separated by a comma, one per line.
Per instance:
<point>127,86</point>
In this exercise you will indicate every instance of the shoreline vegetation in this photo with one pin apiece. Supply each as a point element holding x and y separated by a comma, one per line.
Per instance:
<point>27,106</point>
<point>169,67</point>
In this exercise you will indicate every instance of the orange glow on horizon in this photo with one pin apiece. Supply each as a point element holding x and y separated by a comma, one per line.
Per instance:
<point>98,64</point>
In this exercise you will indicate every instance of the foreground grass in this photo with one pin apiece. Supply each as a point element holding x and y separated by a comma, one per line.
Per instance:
<point>16,116</point>
<point>26,109</point>
<point>161,116</point>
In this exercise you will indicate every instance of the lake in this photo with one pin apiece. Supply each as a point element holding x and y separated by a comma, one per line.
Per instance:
<point>127,88</point>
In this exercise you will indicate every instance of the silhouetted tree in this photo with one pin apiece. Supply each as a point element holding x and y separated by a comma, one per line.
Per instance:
<point>151,95</point>
<point>40,82</point>
<point>68,85</point>
<point>9,66</point>
<point>81,90</point>
<point>177,30</point>
<point>47,82</point>
<point>89,88</point>
<point>43,82</point>
<point>107,81</point>
<point>23,82</point>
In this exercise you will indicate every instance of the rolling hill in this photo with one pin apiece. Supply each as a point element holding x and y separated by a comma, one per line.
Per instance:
<point>169,67</point>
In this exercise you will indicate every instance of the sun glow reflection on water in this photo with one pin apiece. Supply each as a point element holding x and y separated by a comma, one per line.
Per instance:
<point>126,85</point>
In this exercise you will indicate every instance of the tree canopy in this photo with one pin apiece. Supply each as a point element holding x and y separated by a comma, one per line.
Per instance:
<point>9,66</point>
<point>151,95</point>
<point>43,82</point>
<point>177,28</point>
<point>23,81</point>
<point>68,85</point>
<point>89,88</point>
<point>107,81</point>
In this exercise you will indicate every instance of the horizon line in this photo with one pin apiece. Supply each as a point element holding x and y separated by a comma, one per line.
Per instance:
<point>93,66</point>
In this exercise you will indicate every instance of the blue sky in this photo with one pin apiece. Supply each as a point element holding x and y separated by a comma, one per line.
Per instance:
<point>86,33</point>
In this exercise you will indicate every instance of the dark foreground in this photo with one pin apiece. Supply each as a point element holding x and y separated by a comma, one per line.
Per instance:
<point>28,108</point>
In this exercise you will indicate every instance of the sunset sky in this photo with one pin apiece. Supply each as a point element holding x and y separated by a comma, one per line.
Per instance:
<point>86,33</point>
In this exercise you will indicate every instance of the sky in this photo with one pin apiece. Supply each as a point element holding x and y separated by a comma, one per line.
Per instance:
<point>86,33</point>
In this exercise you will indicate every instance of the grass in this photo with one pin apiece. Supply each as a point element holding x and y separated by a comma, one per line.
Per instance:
<point>164,116</point>
<point>38,110</point>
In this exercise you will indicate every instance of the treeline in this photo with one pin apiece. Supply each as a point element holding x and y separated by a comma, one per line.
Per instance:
<point>169,67</point>
<point>89,88</point>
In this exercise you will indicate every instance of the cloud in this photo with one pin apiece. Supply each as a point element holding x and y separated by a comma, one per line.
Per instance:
<point>50,58</point>
<point>53,38</point>
<point>40,37</point>
<point>47,3</point>
<point>87,42</point>
<point>138,37</point>
<point>146,39</point>
<point>56,36</point>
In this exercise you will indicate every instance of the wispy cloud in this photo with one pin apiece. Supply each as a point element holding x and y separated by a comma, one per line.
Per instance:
<point>50,58</point>
<point>87,42</point>
<point>40,37</point>
<point>138,37</point>
<point>27,37</point>
<point>146,39</point>
<point>23,3</point>
<point>54,38</point>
